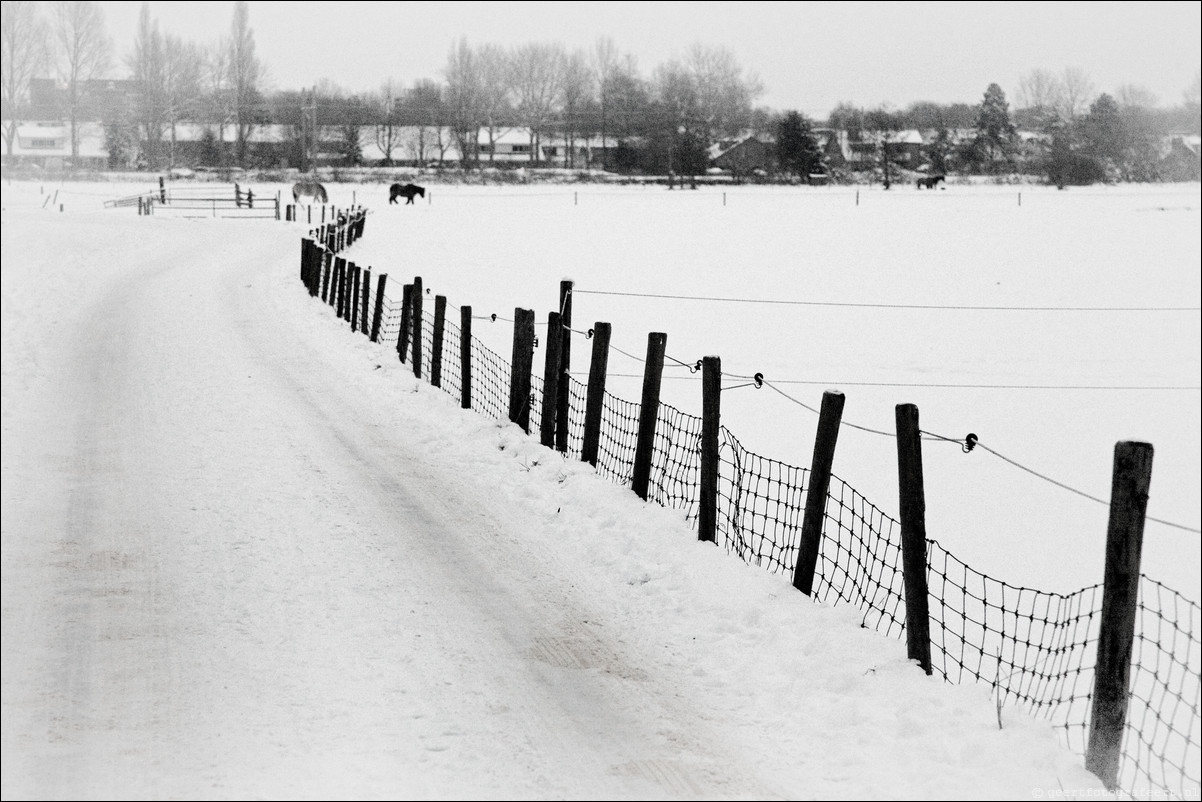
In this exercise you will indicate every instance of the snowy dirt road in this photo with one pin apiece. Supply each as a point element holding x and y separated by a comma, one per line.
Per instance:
<point>247,555</point>
<point>249,551</point>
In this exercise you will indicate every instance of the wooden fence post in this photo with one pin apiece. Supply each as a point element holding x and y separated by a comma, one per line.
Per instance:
<point>402,340</point>
<point>316,263</point>
<point>914,534</point>
<point>305,260</point>
<point>711,413</point>
<point>465,357</point>
<point>313,262</point>
<point>816,491</point>
<point>594,404</point>
<point>340,265</point>
<point>644,449</point>
<point>440,319</point>
<point>332,262</point>
<point>522,362</point>
<point>1130,479</point>
<point>417,326</point>
<point>564,399</point>
<point>365,302</point>
<point>352,306</point>
<point>325,274</point>
<point>551,379</point>
<point>378,313</point>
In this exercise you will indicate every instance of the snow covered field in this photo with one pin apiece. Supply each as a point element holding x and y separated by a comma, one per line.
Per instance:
<point>147,665</point>
<point>1048,389</point>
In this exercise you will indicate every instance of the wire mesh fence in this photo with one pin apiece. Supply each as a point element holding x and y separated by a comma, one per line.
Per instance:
<point>1035,649</point>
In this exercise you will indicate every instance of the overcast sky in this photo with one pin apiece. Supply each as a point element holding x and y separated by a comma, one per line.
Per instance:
<point>809,56</point>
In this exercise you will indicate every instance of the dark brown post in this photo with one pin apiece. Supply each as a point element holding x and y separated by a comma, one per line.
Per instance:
<point>304,260</point>
<point>417,326</point>
<point>564,399</point>
<point>402,340</point>
<point>365,302</point>
<point>551,378</point>
<point>711,413</point>
<point>522,362</point>
<point>378,312</point>
<point>465,357</point>
<point>352,306</point>
<point>320,280</point>
<point>1129,484</point>
<point>163,191</point>
<point>594,404</point>
<point>914,534</point>
<point>332,268</point>
<point>440,319</point>
<point>644,448</point>
<point>325,275</point>
<point>816,491</point>
<point>340,266</point>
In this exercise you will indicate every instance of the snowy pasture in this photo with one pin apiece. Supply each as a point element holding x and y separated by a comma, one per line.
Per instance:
<point>993,316</point>
<point>1008,312</point>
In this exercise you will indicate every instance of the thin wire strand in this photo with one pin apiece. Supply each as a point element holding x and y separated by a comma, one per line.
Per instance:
<point>954,307</point>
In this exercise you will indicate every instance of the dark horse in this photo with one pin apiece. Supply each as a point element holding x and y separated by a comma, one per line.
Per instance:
<point>930,181</point>
<point>406,191</point>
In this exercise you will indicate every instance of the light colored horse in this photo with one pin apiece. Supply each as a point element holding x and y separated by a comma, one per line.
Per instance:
<point>312,190</point>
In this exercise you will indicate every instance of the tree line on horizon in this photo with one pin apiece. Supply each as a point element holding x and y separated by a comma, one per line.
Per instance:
<point>661,122</point>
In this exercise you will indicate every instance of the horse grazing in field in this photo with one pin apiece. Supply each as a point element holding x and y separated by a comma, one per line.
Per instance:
<point>406,191</point>
<point>309,189</point>
<point>930,181</point>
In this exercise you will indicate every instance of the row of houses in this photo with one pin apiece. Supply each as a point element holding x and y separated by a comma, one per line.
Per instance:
<point>48,145</point>
<point>1180,153</point>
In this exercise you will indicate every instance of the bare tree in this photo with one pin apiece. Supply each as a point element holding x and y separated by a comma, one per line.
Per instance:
<point>23,39</point>
<point>388,129</point>
<point>424,108</point>
<point>627,98</point>
<point>1193,92</point>
<point>464,99</point>
<point>577,93</point>
<point>246,71</point>
<point>1078,91</point>
<point>724,95</point>
<point>496,90</point>
<point>217,97</point>
<point>676,91</point>
<point>538,85</point>
<point>1041,95</point>
<point>604,61</point>
<point>148,64</point>
<point>1135,96</point>
<point>83,50</point>
<point>183,66</point>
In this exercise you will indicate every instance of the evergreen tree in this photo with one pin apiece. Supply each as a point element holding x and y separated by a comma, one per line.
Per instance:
<point>1103,131</point>
<point>995,132</point>
<point>120,140</point>
<point>210,149</point>
<point>796,146</point>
